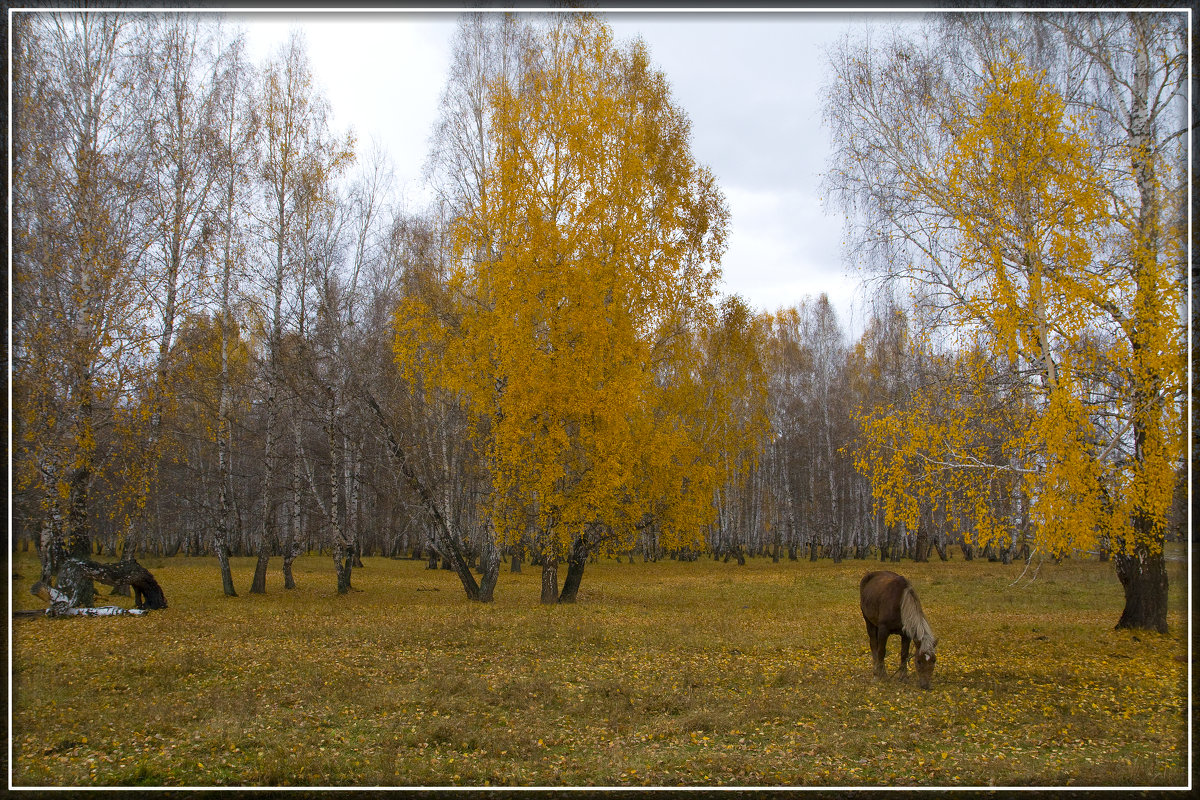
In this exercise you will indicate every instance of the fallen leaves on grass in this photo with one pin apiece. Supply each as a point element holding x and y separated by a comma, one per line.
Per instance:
<point>662,675</point>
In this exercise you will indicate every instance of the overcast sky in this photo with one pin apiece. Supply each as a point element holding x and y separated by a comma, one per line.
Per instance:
<point>749,81</point>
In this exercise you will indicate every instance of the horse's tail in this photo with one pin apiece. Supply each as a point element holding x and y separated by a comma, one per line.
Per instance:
<point>912,618</point>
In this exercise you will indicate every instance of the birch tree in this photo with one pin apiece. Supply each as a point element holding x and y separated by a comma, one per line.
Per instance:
<point>341,238</point>
<point>80,334</point>
<point>1038,215</point>
<point>733,381</point>
<point>235,130</point>
<point>176,65</point>
<point>299,157</point>
<point>593,227</point>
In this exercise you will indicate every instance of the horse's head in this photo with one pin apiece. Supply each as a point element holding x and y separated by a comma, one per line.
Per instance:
<point>925,662</point>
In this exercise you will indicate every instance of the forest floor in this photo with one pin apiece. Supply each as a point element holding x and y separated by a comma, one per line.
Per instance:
<point>663,674</point>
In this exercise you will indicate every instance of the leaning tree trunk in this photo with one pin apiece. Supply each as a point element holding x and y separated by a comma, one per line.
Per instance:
<point>575,564</point>
<point>939,544</point>
<point>222,551</point>
<point>444,535</point>
<point>76,576</point>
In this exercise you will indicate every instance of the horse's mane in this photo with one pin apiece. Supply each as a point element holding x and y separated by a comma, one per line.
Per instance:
<point>912,617</point>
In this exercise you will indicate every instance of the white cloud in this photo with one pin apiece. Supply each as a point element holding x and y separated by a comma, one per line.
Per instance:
<point>783,248</point>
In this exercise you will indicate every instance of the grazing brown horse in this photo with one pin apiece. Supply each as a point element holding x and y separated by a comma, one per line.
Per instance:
<point>889,605</point>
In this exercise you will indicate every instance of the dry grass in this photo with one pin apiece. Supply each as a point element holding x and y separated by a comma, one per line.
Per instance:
<point>663,674</point>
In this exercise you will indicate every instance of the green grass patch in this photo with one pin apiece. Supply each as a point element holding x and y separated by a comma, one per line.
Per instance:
<point>663,674</point>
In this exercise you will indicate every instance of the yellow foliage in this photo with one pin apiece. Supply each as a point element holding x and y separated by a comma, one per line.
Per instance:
<point>1029,201</point>
<point>592,243</point>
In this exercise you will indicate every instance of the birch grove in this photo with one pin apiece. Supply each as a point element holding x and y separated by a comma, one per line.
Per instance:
<point>230,338</point>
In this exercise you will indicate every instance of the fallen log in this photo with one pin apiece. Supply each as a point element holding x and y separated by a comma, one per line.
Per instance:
<point>60,605</point>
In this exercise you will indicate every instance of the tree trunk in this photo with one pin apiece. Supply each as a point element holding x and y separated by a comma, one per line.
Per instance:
<point>940,546</point>
<point>291,550</point>
<point>266,533</point>
<point>76,576</point>
<point>549,579</point>
<point>921,545</point>
<point>1144,578</point>
<point>575,564</point>
<point>223,560</point>
<point>49,552</point>
<point>790,506</point>
<point>224,429</point>
<point>259,584</point>
<point>343,563</point>
<point>291,540</point>
<point>489,568</point>
<point>445,535</point>
<point>127,554</point>
<point>79,542</point>
<point>897,535</point>
<point>351,466</point>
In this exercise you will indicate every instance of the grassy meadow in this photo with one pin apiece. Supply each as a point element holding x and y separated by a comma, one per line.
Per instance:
<point>663,674</point>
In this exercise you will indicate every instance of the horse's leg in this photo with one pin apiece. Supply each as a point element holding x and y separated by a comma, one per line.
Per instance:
<point>881,637</point>
<point>904,640</point>
<point>876,658</point>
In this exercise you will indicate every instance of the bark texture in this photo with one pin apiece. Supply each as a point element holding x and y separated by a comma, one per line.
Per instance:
<point>79,573</point>
<point>1144,578</point>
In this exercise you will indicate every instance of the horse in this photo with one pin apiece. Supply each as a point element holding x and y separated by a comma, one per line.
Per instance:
<point>889,605</point>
